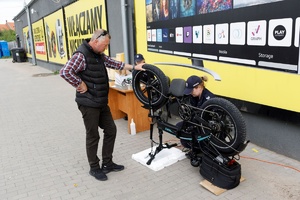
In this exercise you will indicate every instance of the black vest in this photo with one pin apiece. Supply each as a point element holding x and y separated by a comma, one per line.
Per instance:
<point>95,77</point>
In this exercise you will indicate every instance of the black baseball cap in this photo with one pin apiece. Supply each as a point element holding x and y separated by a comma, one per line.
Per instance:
<point>138,58</point>
<point>190,83</point>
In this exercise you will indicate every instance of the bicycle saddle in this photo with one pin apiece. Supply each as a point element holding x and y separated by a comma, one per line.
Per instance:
<point>177,86</point>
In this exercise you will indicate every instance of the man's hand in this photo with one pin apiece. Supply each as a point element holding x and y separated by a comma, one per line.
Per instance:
<point>136,67</point>
<point>139,67</point>
<point>82,88</point>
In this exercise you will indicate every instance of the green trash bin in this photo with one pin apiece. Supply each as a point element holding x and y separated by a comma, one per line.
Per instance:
<point>19,54</point>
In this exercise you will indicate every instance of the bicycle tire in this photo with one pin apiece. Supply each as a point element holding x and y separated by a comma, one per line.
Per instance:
<point>157,83</point>
<point>227,125</point>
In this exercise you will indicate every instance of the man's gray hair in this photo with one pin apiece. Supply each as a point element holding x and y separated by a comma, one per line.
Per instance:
<point>99,33</point>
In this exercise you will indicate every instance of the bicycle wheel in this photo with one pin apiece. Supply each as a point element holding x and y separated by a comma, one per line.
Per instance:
<point>150,86</point>
<point>225,124</point>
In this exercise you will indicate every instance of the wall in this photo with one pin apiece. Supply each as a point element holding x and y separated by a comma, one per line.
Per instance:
<point>260,92</point>
<point>114,25</point>
<point>246,83</point>
<point>279,136</point>
<point>42,8</point>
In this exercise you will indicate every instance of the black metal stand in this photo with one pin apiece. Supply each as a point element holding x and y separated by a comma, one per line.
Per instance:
<point>160,124</point>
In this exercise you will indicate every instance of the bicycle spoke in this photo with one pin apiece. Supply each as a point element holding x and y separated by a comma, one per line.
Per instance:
<point>144,91</point>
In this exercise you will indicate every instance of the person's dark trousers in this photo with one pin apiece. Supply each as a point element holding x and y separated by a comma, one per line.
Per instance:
<point>94,118</point>
<point>186,143</point>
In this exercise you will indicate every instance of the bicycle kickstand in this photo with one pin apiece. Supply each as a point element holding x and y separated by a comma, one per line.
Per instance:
<point>159,147</point>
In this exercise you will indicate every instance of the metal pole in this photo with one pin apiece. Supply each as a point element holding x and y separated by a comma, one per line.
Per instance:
<point>30,35</point>
<point>125,29</point>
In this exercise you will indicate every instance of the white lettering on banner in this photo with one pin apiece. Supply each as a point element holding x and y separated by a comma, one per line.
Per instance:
<point>256,38</point>
<point>40,48</point>
<point>262,55</point>
<point>222,51</point>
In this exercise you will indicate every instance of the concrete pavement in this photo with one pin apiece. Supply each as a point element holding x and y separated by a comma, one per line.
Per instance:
<point>42,146</point>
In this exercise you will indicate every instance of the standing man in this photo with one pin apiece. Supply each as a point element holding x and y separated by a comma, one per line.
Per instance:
<point>86,71</point>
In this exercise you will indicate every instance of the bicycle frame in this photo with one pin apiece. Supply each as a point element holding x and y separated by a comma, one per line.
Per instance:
<point>164,126</point>
<point>217,127</point>
<point>196,137</point>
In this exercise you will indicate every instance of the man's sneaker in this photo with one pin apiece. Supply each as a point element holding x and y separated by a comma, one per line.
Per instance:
<point>112,168</point>
<point>98,174</point>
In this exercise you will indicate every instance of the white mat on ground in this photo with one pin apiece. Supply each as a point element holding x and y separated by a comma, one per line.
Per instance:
<point>164,158</point>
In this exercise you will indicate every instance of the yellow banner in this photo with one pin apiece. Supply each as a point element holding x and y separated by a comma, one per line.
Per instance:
<point>55,37</point>
<point>82,19</point>
<point>261,86</point>
<point>26,41</point>
<point>39,40</point>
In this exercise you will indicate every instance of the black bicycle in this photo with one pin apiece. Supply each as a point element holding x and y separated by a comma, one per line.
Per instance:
<point>217,127</point>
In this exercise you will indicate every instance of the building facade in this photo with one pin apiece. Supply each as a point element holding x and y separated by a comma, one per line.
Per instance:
<point>51,30</point>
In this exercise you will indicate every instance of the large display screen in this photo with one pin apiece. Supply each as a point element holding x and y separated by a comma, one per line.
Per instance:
<point>259,33</point>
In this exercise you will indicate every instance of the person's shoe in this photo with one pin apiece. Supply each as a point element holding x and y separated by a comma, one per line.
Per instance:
<point>192,154</point>
<point>189,154</point>
<point>112,168</point>
<point>98,174</point>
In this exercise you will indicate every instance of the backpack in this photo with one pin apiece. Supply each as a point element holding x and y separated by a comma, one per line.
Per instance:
<point>220,175</point>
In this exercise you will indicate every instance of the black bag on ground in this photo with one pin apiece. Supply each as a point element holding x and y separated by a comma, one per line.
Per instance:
<point>226,177</point>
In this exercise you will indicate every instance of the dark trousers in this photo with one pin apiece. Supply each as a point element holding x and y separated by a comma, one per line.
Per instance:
<point>94,118</point>
<point>187,143</point>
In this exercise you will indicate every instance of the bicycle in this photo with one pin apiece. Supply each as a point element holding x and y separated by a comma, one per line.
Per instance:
<point>217,127</point>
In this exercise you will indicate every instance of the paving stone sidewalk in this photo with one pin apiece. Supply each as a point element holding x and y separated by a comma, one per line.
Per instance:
<point>42,146</point>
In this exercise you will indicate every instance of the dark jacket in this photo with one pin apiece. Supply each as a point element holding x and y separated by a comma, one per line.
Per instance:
<point>95,77</point>
<point>197,102</point>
